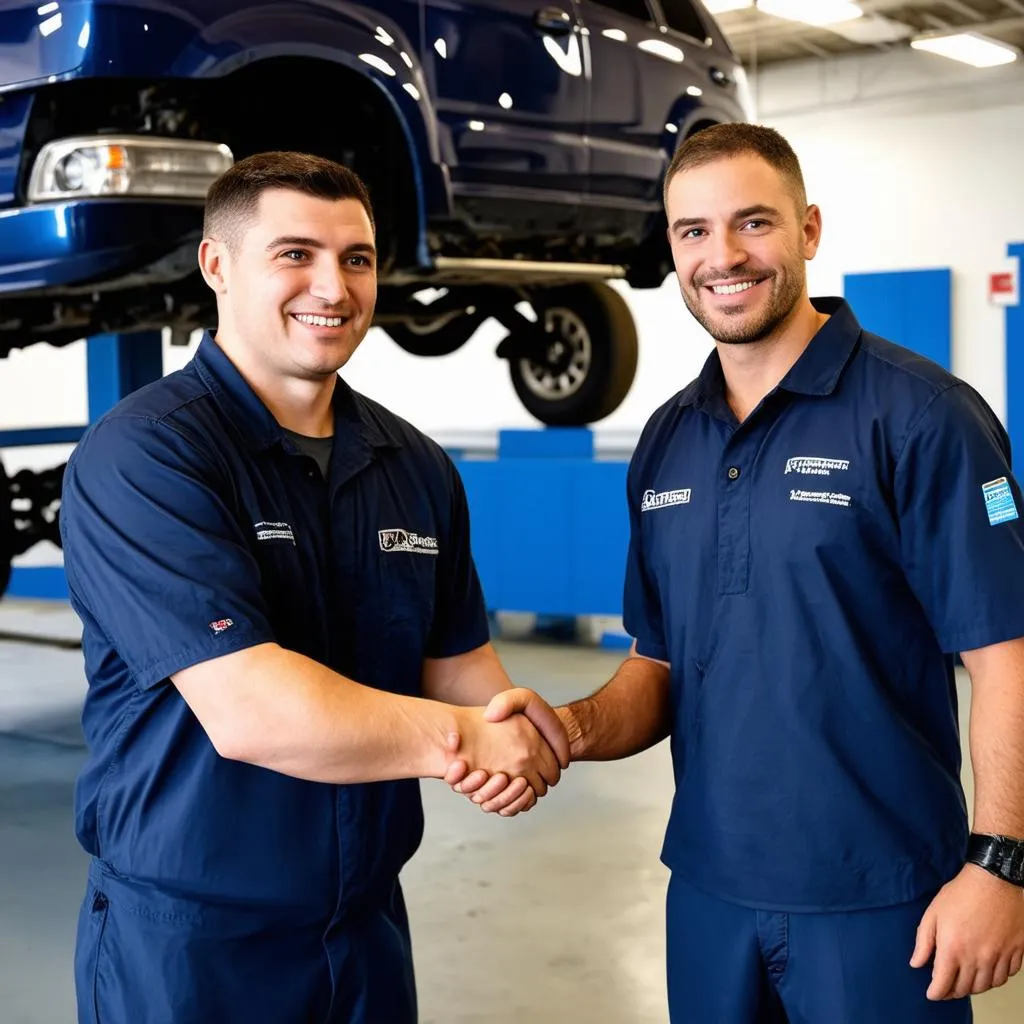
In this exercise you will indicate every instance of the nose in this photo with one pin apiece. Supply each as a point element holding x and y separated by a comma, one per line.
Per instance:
<point>328,284</point>
<point>727,251</point>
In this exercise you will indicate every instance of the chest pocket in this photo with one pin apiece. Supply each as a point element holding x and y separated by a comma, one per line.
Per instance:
<point>409,566</point>
<point>290,584</point>
<point>829,506</point>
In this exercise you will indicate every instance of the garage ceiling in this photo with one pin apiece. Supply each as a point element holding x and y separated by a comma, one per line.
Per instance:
<point>762,38</point>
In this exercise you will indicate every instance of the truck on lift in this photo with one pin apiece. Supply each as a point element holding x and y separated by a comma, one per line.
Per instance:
<point>514,151</point>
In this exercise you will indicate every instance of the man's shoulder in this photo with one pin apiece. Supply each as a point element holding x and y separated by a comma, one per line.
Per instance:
<point>160,414</point>
<point>914,392</point>
<point>913,374</point>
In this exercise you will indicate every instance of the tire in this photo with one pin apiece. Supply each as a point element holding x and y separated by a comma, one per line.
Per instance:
<point>437,338</point>
<point>592,357</point>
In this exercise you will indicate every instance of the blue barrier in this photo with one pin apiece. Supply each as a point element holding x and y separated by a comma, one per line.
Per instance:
<point>549,524</point>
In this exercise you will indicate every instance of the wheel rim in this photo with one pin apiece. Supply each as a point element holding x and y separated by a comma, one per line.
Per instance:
<point>569,357</point>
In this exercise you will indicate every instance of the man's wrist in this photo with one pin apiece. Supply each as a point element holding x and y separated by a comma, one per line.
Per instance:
<point>571,721</point>
<point>443,736</point>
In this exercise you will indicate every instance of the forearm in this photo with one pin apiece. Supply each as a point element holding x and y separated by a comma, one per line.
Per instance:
<point>629,714</point>
<point>997,737</point>
<point>466,680</point>
<point>280,710</point>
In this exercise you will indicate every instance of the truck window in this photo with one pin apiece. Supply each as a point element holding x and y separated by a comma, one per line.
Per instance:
<point>682,16</point>
<point>631,8</point>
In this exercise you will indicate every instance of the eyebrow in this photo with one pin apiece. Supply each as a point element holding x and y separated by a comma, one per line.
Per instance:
<point>313,243</point>
<point>747,211</point>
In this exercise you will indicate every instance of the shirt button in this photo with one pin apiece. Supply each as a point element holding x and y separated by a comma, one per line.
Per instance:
<point>734,472</point>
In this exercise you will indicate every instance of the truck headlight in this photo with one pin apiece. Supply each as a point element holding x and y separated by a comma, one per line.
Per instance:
<point>107,165</point>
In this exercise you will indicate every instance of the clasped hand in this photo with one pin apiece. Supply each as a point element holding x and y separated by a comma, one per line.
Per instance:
<point>507,755</point>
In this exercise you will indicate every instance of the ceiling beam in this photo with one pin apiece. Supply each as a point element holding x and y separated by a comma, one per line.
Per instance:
<point>965,9</point>
<point>765,30</point>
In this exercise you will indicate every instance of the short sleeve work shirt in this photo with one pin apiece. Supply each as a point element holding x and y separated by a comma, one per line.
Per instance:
<point>808,574</point>
<point>192,528</point>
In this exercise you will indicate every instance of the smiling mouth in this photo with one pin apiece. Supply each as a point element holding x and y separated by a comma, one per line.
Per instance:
<point>734,287</point>
<point>315,320</point>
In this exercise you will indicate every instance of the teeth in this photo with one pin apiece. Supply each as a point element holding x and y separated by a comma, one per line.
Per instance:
<point>733,289</point>
<point>319,321</point>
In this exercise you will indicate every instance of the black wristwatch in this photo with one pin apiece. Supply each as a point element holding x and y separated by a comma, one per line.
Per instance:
<point>1000,855</point>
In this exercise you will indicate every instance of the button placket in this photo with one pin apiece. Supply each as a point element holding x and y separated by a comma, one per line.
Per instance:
<point>734,513</point>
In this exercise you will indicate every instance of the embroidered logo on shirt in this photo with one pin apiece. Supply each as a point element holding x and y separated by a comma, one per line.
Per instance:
<point>405,540</point>
<point>663,499</point>
<point>821,498</point>
<point>274,531</point>
<point>999,503</point>
<point>220,625</point>
<point>813,466</point>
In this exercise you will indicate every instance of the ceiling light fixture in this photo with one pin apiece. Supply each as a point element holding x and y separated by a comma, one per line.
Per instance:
<point>968,47</point>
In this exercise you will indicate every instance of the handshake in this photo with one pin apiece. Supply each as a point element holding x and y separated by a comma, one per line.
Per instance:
<point>506,756</point>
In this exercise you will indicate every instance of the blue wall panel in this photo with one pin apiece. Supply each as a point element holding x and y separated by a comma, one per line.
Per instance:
<point>913,308</point>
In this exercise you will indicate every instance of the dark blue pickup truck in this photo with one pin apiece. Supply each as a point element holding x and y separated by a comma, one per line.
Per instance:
<point>514,150</point>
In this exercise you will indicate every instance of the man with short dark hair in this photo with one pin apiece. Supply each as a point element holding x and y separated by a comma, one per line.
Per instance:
<point>819,523</point>
<point>283,631</point>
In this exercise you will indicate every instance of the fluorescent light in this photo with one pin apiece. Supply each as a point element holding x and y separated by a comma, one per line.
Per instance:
<point>614,33</point>
<point>723,6</point>
<point>969,47</point>
<point>812,12</point>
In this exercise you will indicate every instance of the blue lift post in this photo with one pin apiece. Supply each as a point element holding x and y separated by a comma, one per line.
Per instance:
<point>1015,373</point>
<point>116,364</point>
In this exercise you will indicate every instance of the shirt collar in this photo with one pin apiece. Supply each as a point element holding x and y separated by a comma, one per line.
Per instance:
<point>255,422</point>
<point>816,372</point>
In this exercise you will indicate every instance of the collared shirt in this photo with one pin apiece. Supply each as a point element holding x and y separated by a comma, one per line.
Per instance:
<point>808,574</point>
<point>193,528</point>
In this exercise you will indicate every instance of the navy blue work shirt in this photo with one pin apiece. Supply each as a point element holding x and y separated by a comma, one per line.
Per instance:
<point>192,528</point>
<point>808,574</point>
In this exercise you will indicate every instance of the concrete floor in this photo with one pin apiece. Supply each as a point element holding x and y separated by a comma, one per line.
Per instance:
<point>555,916</point>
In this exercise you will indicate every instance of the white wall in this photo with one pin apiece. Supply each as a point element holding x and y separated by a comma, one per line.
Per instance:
<point>915,161</point>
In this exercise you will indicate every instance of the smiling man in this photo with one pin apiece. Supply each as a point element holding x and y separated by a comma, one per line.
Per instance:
<point>818,523</point>
<point>283,630</point>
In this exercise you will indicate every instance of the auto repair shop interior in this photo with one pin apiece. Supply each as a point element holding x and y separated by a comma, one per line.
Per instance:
<point>529,320</point>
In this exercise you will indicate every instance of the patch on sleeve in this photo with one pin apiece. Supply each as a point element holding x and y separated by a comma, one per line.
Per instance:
<point>999,503</point>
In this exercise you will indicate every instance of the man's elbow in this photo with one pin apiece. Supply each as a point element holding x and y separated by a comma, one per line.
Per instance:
<point>221,694</point>
<point>231,742</point>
